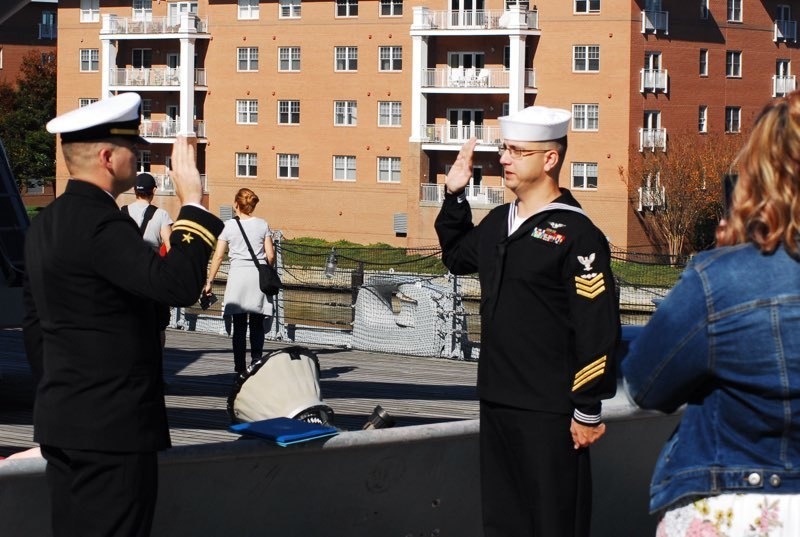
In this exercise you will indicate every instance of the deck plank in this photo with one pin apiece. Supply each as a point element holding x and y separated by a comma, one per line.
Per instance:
<point>198,368</point>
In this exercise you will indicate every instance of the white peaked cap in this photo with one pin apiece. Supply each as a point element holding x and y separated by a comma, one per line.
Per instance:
<point>116,116</point>
<point>535,124</point>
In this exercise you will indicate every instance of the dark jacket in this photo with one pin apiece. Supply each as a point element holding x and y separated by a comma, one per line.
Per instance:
<point>549,315</point>
<point>91,325</point>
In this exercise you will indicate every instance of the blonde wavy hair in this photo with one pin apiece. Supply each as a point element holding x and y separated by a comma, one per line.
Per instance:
<point>765,208</point>
<point>246,200</point>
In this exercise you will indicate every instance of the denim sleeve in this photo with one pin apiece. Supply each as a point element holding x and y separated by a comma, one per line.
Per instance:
<point>670,358</point>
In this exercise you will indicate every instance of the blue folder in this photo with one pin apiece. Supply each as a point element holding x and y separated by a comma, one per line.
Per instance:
<point>284,431</point>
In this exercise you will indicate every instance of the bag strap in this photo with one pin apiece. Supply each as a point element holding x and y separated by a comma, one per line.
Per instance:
<point>146,217</point>
<point>247,241</point>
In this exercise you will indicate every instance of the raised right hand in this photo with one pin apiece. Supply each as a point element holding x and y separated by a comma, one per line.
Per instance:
<point>459,175</point>
<point>184,173</point>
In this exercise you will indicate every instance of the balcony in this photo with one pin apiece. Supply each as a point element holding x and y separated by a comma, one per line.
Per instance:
<point>456,135</point>
<point>459,77</point>
<point>186,23</point>
<point>651,198</point>
<point>652,139</point>
<point>168,129</point>
<point>47,31</point>
<point>165,185</point>
<point>785,30</point>
<point>158,77</point>
<point>514,18</point>
<point>476,194</point>
<point>655,21</point>
<point>653,81</point>
<point>783,85</point>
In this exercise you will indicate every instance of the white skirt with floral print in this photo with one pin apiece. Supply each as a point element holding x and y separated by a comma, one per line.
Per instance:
<point>734,515</point>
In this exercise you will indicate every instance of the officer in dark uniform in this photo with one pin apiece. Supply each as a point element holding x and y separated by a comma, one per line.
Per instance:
<point>91,327</point>
<point>549,326</point>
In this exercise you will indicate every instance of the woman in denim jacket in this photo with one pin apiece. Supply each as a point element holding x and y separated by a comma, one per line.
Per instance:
<point>726,343</point>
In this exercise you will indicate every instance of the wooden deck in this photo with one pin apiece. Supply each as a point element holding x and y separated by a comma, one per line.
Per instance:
<point>198,368</point>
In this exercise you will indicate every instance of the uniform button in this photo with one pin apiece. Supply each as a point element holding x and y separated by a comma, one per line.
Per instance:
<point>775,480</point>
<point>754,478</point>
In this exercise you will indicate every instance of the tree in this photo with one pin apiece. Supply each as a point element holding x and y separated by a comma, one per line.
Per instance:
<point>24,111</point>
<point>675,194</point>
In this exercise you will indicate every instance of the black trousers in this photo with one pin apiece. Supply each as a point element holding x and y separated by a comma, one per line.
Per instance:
<point>100,494</point>
<point>533,482</point>
<point>240,323</point>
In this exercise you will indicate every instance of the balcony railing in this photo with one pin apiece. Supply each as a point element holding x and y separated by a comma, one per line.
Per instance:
<point>651,197</point>
<point>782,85</point>
<point>785,30</point>
<point>652,139</point>
<point>166,186</point>
<point>183,23</point>
<point>153,76</point>
<point>458,134</point>
<point>47,31</point>
<point>459,77</point>
<point>169,128</point>
<point>427,19</point>
<point>477,194</point>
<point>653,80</point>
<point>655,21</point>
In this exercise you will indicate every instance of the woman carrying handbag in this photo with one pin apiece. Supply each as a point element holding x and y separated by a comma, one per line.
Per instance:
<point>244,301</point>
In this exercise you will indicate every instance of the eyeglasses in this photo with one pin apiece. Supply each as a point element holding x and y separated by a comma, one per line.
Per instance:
<point>517,154</point>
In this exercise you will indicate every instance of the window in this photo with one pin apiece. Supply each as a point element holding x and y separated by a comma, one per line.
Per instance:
<point>248,59</point>
<point>344,168</point>
<point>90,60</point>
<point>347,8</point>
<point>703,62</point>
<point>584,175</point>
<point>733,64</point>
<point>289,9</point>
<point>288,112</point>
<point>391,8</point>
<point>142,58</point>
<point>248,9</point>
<point>289,59</point>
<point>246,164</point>
<point>388,169</point>
<point>147,109</point>
<point>389,113</point>
<point>1,57</point>
<point>702,118</point>
<point>142,10</point>
<point>144,160</point>
<point>587,6</point>
<point>704,9</point>
<point>344,113</point>
<point>288,166</point>
<point>90,11</point>
<point>346,59</point>
<point>734,10</point>
<point>86,101</point>
<point>391,59</point>
<point>733,119</point>
<point>585,117</point>
<point>247,112</point>
<point>586,58</point>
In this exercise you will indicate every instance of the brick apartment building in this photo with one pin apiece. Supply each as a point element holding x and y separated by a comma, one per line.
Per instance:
<point>344,115</point>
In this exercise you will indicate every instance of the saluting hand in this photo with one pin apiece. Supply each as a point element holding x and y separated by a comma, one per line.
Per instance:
<point>460,173</point>
<point>584,436</point>
<point>184,173</point>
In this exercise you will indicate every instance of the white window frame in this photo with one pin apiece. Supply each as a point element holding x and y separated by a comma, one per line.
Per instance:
<point>248,55</point>
<point>288,166</point>
<point>586,54</point>
<point>288,109</point>
<point>390,113</point>
<point>586,117</point>
<point>704,11</point>
<point>91,57</point>
<point>733,63</point>
<point>146,111</point>
<point>735,11</point>
<point>86,101</point>
<point>142,58</point>
<point>702,118</point>
<point>348,55</point>
<point>703,62</point>
<point>581,170</point>
<point>389,169</point>
<point>247,111</point>
<point>289,9</point>
<point>246,164</point>
<point>144,160</point>
<point>583,7</point>
<point>344,168</point>
<point>142,10</point>
<point>391,57</point>
<point>345,113</point>
<point>733,119</point>
<point>247,10</point>
<point>345,9</point>
<point>90,11</point>
<point>290,56</point>
<point>390,8</point>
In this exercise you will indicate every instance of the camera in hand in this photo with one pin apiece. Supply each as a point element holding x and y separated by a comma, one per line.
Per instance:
<point>207,300</point>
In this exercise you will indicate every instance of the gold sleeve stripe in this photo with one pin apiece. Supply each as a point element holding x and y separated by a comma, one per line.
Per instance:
<point>587,379</point>
<point>589,372</point>
<point>599,361</point>
<point>197,229</point>
<point>590,288</point>
<point>589,281</point>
